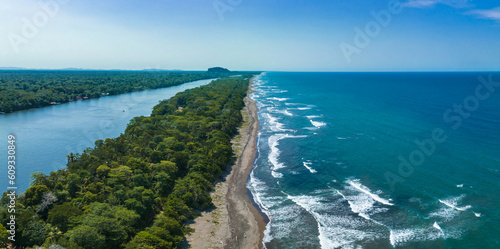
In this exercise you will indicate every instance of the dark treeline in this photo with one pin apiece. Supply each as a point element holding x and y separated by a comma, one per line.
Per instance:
<point>20,90</point>
<point>137,190</point>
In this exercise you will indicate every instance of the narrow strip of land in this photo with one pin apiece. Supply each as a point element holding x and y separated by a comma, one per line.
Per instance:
<point>234,222</point>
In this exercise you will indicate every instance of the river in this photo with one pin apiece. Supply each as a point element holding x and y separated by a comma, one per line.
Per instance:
<point>44,136</point>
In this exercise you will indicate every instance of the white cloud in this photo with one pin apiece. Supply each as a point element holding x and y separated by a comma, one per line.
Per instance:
<point>491,14</point>
<point>432,3</point>
<point>421,3</point>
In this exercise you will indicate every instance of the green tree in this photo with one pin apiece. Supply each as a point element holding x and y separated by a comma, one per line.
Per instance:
<point>103,171</point>
<point>87,237</point>
<point>111,195</point>
<point>167,167</point>
<point>63,216</point>
<point>147,240</point>
<point>4,236</point>
<point>136,205</point>
<point>115,223</point>
<point>113,232</point>
<point>74,182</point>
<point>39,178</point>
<point>164,184</point>
<point>35,232</point>
<point>34,194</point>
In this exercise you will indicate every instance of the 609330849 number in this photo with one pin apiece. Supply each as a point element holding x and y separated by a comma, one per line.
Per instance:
<point>11,160</point>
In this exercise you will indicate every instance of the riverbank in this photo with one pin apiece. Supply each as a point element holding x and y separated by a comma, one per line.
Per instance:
<point>73,127</point>
<point>234,222</point>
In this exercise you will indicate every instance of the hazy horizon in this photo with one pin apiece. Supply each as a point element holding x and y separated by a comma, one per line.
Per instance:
<point>204,70</point>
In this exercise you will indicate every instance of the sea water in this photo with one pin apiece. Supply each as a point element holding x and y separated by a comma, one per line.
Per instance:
<point>378,160</point>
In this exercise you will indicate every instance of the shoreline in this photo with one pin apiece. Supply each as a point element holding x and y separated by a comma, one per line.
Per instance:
<point>235,222</point>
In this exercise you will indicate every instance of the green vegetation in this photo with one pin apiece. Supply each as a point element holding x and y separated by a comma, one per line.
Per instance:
<point>20,90</point>
<point>137,190</point>
<point>218,70</point>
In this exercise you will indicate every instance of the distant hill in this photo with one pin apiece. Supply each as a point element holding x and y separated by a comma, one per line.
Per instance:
<point>218,70</point>
<point>162,70</point>
<point>85,69</point>
<point>41,69</point>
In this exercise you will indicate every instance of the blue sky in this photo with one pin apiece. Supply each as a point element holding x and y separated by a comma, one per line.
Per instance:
<point>270,35</point>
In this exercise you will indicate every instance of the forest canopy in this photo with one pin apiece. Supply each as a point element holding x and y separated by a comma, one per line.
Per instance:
<point>24,89</point>
<point>137,190</point>
<point>218,70</point>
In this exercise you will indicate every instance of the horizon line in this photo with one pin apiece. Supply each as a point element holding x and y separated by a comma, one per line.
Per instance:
<point>277,71</point>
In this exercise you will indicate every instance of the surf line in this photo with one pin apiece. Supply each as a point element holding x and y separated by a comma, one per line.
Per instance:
<point>438,228</point>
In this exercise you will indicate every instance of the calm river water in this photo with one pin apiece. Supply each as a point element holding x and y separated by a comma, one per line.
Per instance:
<point>45,136</point>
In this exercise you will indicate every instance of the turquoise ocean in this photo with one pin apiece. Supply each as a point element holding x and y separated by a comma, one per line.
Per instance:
<point>378,160</point>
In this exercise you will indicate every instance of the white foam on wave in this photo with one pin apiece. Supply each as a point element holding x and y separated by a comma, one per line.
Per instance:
<point>453,202</point>
<point>307,203</point>
<point>276,110</point>
<point>363,205</point>
<point>334,231</point>
<point>314,116</point>
<point>477,214</point>
<point>258,81</point>
<point>304,108</point>
<point>257,188</point>
<point>400,237</point>
<point>307,165</point>
<point>257,94</point>
<point>317,124</point>
<point>445,213</point>
<point>342,138</point>
<point>273,142</point>
<point>283,221</point>
<point>450,210</point>
<point>358,205</point>
<point>360,187</point>
<point>279,91</point>
<point>460,186</point>
<point>260,105</point>
<point>436,225</point>
<point>274,124</point>
<point>278,99</point>
<point>275,152</point>
<point>276,174</point>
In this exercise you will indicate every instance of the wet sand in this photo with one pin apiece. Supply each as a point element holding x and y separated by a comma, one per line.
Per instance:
<point>234,222</point>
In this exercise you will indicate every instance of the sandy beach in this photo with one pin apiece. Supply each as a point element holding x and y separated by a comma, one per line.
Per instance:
<point>234,222</point>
